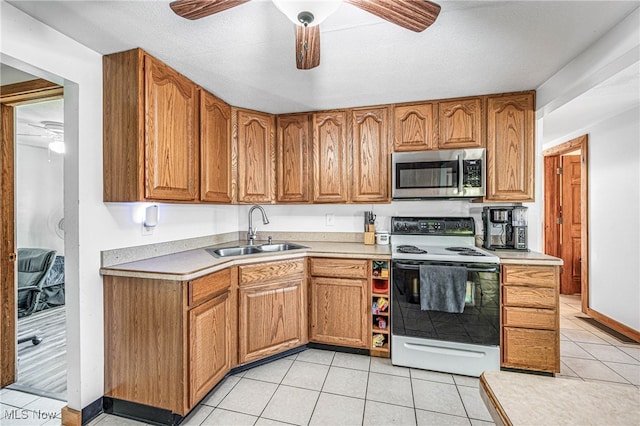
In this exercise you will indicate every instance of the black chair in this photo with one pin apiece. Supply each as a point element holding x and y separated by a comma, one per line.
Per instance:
<point>34,265</point>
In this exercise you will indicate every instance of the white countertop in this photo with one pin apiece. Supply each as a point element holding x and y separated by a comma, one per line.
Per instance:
<point>527,257</point>
<point>192,264</point>
<point>527,399</point>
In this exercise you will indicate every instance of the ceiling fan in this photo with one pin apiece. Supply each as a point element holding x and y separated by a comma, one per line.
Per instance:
<point>415,15</point>
<point>53,131</point>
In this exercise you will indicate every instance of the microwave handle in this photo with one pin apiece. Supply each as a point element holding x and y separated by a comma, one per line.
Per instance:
<point>460,173</point>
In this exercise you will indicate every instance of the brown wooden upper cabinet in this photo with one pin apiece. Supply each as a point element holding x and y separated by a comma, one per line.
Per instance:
<point>460,122</point>
<point>370,155</point>
<point>330,157</point>
<point>415,127</point>
<point>293,158</point>
<point>215,149</point>
<point>510,147</point>
<point>256,157</point>
<point>151,145</point>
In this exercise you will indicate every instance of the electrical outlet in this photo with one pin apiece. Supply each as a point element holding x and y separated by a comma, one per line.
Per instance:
<point>330,220</point>
<point>147,230</point>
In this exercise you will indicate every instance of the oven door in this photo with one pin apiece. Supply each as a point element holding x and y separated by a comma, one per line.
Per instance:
<point>479,323</point>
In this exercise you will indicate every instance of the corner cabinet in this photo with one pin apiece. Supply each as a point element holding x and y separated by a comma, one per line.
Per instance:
<point>340,302</point>
<point>370,155</point>
<point>215,148</point>
<point>330,157</point>
<point>168,343</point>
<point>256,157</point>
<point>272,308</point>
<point>530,319</point>
<point>511,147</point>
<point>151,146</point>
<point>293,158</point>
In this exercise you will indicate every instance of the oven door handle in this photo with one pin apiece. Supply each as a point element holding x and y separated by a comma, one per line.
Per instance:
<point>470,269</point>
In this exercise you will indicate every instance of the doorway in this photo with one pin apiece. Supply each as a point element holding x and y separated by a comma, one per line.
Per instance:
<point>566,213</point>
<point>33,327</point>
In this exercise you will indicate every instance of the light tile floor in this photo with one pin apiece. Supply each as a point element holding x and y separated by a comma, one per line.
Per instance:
<point>318,387</point>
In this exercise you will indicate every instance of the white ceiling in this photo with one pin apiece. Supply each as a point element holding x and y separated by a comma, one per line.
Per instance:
<point>245,55</point>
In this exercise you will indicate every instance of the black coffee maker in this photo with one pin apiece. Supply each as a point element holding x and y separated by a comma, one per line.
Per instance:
<point>505,228</point>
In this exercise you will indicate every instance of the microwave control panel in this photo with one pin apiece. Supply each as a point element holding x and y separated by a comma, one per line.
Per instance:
<point>472,173</point>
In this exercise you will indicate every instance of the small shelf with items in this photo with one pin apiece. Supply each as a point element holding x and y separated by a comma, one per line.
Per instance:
<point>380,308</point>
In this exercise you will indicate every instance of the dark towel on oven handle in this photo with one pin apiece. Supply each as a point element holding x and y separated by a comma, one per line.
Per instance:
<point>443,288</point>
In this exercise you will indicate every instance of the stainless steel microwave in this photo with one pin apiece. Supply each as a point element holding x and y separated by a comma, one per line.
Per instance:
<point>455,173</point>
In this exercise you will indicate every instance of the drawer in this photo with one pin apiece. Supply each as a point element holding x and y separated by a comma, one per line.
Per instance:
<point>531,349</point>
<point>265,272</point>
<point>529,318</point>
<point>206,287</point>
<point>529,297</point>
<point>340,268</point>
<point>530,275</point>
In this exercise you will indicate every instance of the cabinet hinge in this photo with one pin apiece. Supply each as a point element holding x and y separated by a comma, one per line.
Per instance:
<point>559,221</point>
<point>559,171</point>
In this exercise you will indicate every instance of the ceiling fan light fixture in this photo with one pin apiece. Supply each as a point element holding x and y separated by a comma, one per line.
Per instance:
<point>57,147</point>
<point>307,12</point>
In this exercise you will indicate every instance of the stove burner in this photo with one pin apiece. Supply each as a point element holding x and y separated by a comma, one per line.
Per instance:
<point>411,249</point>
<point>465,251</point>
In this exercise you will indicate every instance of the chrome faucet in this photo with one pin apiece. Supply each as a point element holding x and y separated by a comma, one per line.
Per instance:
<point>251,235</point>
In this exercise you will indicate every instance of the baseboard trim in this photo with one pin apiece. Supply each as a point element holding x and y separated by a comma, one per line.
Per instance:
<point>614,325</point>
<point>71,417</point>
<point>92,411</point>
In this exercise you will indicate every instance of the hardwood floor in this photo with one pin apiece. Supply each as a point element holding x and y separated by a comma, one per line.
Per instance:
<point>43,368</point>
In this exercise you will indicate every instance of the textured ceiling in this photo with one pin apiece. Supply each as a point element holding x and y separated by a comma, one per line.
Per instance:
<point>245,55</point>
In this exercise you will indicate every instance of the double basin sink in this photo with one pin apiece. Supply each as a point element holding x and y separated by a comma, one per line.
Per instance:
<point>261,248</point>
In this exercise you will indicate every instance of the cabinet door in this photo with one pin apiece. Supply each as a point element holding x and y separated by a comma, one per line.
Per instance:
<point>370,155</point>
<point>531,349</point>
<point>330,157</point>
<point>215,148</point>
<point>460,123</point>
<point>293,147</point>
<point>256,157</point>
<point>209,345</point>
<point>414,128</point>
<point>510,147</point>
<point>339,312</point>
<point>271,319</point>
<point>171,134</point>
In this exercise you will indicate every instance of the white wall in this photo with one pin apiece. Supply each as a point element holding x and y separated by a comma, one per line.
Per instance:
<point>614,170</point>
<point>38,197</point>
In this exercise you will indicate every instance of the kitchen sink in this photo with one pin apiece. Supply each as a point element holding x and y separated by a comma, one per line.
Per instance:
<point>244,250</point>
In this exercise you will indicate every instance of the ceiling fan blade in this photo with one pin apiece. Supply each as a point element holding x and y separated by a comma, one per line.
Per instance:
<point>196,9</point>
<point>307,47</point>
<point>414,15</point>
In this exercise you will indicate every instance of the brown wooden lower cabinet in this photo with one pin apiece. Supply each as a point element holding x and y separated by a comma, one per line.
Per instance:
<point>272,309</point>
<point>168,342</point>
<point>340,306</point>
<point>530,318</point>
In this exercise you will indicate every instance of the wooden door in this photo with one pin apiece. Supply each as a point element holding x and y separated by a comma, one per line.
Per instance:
<point>256,157</point>
<point>209,345</point>
<point>171,134</point>
<point>293,154</point>
<point>215,149</point>
<point>7,249</point>
<point>414,127</point>
<point>330,157</point>
<point>339,312</point>
<point>460,122</point>
<point>370,155</point>
<point>271,319</point>
<point>571,225</point>
<point>510,147</point>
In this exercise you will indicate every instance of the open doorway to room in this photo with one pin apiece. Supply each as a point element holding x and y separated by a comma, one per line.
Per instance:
<point>32,221</point>
<point>566,214</point>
